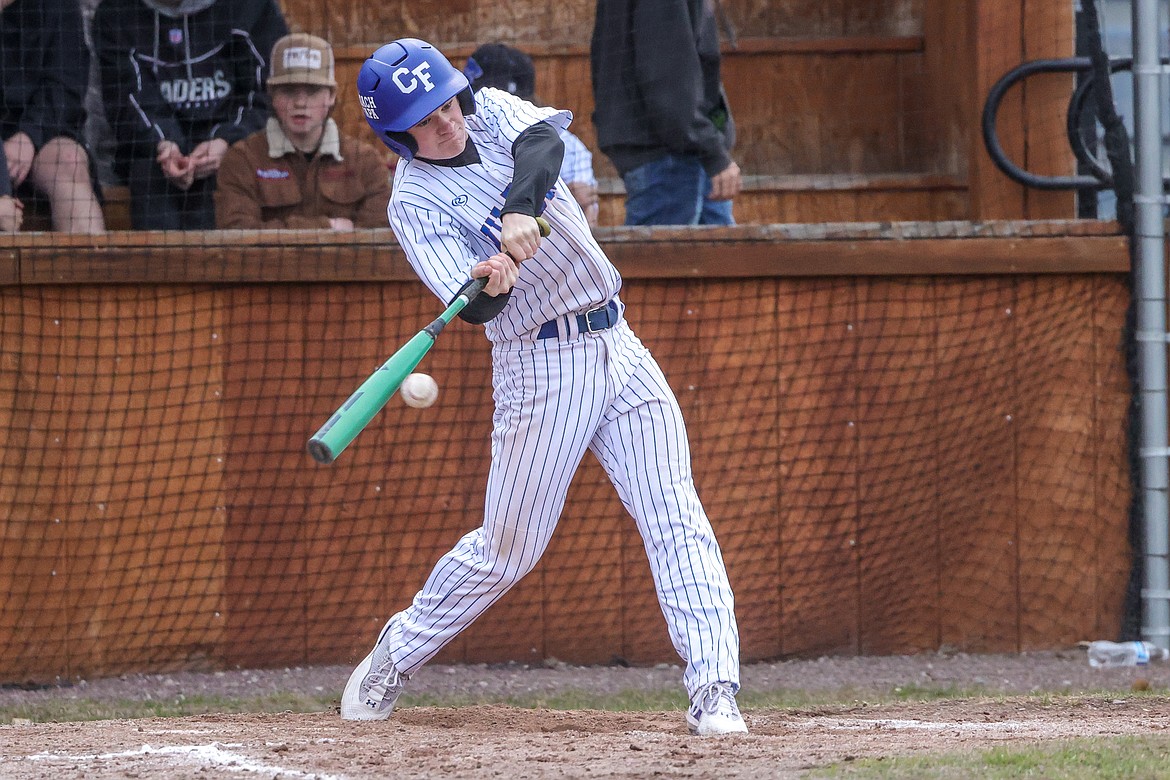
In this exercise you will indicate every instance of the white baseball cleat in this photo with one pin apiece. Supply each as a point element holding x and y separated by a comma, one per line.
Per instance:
<point>714,711</point>
<point>373,689</point>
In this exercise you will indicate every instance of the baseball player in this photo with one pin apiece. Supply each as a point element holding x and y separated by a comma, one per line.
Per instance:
<point>568,372</point>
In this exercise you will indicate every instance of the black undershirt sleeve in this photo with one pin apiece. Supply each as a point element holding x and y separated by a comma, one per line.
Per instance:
<point>538,152</point>
<point>484,308</point>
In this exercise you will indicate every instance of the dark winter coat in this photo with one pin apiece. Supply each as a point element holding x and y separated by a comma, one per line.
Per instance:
<point>44,70</point>
<point>656,83</point>
<point>186,72</point>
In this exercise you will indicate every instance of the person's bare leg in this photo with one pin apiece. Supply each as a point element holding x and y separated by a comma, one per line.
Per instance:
<point>61,171</point>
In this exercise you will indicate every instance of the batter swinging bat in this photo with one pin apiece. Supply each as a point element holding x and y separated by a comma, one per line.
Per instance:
<point>355,414</point>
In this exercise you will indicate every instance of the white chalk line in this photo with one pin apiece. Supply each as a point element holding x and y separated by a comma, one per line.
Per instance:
<point>986,727</point>
<point>202,755</point>
<point>859,724</point>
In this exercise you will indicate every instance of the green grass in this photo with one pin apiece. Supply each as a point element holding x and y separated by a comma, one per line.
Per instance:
<point>674,699</point>
<point>63,710</point>
<point>665,699</point>
<point>75,709</point>
<point>1115,758</point>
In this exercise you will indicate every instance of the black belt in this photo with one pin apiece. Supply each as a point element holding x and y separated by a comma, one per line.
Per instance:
<point>604,316</point>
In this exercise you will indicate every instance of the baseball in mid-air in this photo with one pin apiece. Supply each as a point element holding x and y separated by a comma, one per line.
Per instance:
<point>419,390</point>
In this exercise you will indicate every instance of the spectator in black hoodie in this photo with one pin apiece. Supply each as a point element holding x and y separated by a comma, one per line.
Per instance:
<point>182,80</point>
<point>44,70</point>
<point>661,114</point>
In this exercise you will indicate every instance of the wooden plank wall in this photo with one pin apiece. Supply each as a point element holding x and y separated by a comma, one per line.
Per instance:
<point>850,110</point>
<point>928,453</point>
<point>114,436</point>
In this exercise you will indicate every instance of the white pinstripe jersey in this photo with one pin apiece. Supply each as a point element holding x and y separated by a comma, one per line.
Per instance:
<point>448,219</point>
<point>578,162</point>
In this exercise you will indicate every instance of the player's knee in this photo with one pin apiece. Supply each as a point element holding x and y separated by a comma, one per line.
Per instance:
<point>512,550</point>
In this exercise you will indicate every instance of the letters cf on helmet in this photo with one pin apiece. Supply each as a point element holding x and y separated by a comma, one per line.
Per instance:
<point>401,84</point>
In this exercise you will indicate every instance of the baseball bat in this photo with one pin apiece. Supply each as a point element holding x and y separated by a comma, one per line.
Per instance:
<point>355,414</point>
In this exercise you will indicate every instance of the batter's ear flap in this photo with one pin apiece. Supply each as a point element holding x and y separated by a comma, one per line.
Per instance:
<point>405,140</point>
<point>466,101</point>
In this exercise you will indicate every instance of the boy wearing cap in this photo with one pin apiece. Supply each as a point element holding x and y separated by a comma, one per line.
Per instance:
<point>504,67</point>
<point>299,172</point>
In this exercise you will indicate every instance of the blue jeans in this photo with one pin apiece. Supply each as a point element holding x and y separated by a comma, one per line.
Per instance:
<point>673,191</point>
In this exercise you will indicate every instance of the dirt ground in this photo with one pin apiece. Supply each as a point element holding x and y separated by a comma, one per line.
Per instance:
<point>492,740</point>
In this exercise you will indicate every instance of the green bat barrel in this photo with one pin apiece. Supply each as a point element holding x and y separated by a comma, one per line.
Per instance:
<point>355,414</point>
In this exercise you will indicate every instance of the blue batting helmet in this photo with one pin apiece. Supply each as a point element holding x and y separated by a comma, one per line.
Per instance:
<point>401,84</point>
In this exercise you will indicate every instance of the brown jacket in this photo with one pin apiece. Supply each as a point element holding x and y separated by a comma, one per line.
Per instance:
<point>345,178</point>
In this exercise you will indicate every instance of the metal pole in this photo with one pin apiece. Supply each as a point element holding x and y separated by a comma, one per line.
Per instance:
<point>1150,289</point>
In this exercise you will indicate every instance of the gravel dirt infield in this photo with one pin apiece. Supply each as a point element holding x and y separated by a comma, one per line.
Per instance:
<point>497,740</point>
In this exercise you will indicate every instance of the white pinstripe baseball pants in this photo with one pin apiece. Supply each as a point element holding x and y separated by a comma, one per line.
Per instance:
<point>555,398</point>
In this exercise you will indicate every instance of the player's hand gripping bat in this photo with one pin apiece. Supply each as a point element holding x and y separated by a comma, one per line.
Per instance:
<point>355,414</point>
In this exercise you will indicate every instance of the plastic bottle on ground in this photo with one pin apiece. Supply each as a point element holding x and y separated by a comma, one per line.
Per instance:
<point>1105,654</point>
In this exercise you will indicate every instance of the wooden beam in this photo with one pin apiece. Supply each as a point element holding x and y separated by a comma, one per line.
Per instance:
<point>743,46</point>
<point>1049,32</point>
<point>815,249</point>
<point>946,89</point>
<point>844,182</point>
<point>918,257</point>
<point>9,266</point>
<point>997,48</point>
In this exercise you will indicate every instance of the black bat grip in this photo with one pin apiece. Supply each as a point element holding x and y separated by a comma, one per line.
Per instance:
<point>472,290</point>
